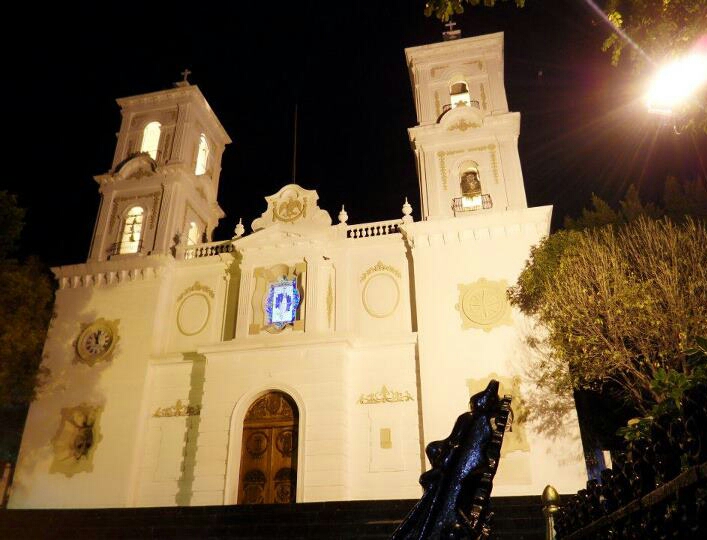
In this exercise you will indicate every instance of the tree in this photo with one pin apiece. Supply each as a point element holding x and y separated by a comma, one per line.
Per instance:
<point>27,293</point>
<point>659,28</point>
<point>656,32</point>
<point>616,304</point>
<point>444,9</point>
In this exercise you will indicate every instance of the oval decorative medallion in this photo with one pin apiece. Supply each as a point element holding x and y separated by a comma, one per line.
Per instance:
<point>193,314</point>
<point>381,295</point>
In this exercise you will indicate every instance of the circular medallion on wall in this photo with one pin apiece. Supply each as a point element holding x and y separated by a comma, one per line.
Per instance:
<point>484,304</point>
<point>193,314</point>
<point>97,341</point>
<point>381,295</point>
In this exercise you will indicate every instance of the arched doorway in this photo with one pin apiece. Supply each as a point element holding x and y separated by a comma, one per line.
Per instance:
<point>268,471</point>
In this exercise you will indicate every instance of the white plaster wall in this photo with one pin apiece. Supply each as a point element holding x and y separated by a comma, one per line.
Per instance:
<point>190,279</point>
<point>117,385</point>
<point>385,473</point>
<point>494,249</point>
<point>369,300</point>
<point>161,460</point>
<point>315,376</point>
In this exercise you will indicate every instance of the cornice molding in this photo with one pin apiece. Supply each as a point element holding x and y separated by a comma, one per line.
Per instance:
<point>482,46</point>
<point>494,126</point>
<point>116,271</point>
<point>531,222</point>
<point>175,95</point>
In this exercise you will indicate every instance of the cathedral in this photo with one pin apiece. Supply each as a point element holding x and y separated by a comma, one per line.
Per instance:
<point>307,359</point>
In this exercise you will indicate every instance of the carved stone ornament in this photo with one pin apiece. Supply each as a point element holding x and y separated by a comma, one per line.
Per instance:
<point>462,125</point>
<point>292,204</point>
<point>271,406</point>
<point>385,396</point>
<point>178,409</point>
<point>75,441</point>
<point>97,341</point>
<point>483,304</point>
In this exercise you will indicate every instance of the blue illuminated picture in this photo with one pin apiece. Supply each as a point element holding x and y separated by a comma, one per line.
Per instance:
<point>282,303</point>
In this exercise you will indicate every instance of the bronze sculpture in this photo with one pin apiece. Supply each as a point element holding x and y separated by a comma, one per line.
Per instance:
<point>458,486</point>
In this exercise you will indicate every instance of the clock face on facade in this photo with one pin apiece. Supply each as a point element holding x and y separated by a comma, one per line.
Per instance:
<point>97,341</point>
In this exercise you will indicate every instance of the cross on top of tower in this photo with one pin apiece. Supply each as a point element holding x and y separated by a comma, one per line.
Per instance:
<point>451,33</point>
<point>185,78</point>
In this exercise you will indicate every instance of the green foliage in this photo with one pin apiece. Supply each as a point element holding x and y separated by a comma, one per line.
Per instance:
<point>27,294</point>
<point>661,28</point>
<point>445,9</point>
<point>672,385</point>
<point>685,198</point>
<point>617,303</point>
<point>540,269</point>
<point>11,222</point>
<point>600,214</point>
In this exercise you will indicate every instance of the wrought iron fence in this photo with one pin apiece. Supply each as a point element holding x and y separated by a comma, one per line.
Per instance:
<point>657,487</point>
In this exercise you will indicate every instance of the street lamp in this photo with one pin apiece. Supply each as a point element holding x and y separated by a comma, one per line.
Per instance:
<point>675,83</point>
<point>675,88</point>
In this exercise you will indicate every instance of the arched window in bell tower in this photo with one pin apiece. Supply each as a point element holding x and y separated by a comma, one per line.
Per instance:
<point>459,94</point>
<point>202,156</point>
<point>151,139</point>
<point>131,239</point>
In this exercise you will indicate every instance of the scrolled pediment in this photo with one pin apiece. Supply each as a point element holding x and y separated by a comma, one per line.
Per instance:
<point>292,205</point>
<point>136,166</point>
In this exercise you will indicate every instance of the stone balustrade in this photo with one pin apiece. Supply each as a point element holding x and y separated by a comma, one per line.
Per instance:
<point>376,228</point>
<point>208,249</point>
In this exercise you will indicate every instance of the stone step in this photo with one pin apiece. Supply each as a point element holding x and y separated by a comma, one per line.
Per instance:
<point>519,518</point>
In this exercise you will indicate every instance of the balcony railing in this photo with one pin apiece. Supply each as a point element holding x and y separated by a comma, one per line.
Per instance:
<point>472,103</point>
<point>125,248</point>
<point>377,228</point>
<point>208,249</point>
<point>471,204</point>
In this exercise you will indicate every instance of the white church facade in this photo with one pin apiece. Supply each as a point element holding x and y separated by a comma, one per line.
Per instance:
<point>309,360</point>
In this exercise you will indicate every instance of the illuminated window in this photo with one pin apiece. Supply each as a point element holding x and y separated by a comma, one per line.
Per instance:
<point>202,156</point>
<point>130,241</point>
<point>151,139</point>
<point>282,302</point>
<point>459,94</point>
<point>193,236</point>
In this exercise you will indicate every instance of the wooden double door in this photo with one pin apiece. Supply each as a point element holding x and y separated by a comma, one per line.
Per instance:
<point>268,472</point>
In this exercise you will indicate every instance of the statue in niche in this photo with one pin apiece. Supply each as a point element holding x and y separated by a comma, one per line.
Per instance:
<point>458,486</point>
<point>470,183</point>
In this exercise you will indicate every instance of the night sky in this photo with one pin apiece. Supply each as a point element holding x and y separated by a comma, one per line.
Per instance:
<point>583,129</point>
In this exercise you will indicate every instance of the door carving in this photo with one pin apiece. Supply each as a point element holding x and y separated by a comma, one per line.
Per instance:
<point>268,472</point>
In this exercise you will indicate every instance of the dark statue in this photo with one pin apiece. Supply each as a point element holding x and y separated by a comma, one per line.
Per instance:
<point>458,486</point>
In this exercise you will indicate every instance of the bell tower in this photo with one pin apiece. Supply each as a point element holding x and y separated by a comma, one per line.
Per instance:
<point>466,141</point>
<point>163,185</point>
